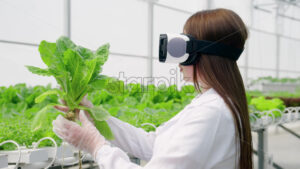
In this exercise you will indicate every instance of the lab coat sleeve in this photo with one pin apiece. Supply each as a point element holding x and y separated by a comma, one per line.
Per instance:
<point>135,141</point>
<point>187,148</point>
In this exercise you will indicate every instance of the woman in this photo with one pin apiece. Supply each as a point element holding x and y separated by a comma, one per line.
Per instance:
<point>212,132</point>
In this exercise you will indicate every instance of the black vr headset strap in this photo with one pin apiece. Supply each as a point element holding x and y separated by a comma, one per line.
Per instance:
<point>213,48</point>
<point>195,46</point>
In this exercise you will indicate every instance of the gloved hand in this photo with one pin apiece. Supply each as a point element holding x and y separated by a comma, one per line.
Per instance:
<point>85,137</point>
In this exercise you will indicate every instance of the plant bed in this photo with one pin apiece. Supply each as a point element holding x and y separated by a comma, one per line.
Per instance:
<point>3,161</point>
<point>27,156</point>
<point>271,84</point>
<point>259,120</point>
<point>292,113</point>
<point>62,151</point>
<point>275,87</point>
<point>288,101</point>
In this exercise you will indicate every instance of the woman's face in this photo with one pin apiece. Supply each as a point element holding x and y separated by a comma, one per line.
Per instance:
<point>187,72</point>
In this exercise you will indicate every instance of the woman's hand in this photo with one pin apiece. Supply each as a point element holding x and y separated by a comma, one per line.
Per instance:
<point>86,138</point>
<point>85,102</point>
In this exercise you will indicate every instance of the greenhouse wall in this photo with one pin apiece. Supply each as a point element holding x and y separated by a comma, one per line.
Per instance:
<point>132,28</point>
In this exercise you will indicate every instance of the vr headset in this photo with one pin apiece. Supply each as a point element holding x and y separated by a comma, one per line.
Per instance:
<point>183,49</point>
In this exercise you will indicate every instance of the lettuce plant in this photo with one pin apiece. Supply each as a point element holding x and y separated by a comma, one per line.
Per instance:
<point>263,104</point>
<point>77,71</point>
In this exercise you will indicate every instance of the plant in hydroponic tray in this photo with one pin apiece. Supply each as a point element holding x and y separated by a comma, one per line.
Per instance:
<point>263,104</point>
<point>77,71</point>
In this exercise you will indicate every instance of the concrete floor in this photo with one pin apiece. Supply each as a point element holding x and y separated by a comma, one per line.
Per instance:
<point>282,146</point>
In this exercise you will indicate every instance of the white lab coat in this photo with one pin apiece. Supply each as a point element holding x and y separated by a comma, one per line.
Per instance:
<point>201,136</point>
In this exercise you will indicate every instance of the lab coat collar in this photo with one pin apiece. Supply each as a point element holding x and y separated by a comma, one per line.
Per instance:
<point>210,91</point>
<point>207,96</point>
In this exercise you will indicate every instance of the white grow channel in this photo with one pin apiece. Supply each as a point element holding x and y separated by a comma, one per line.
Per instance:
<point>24,158</point>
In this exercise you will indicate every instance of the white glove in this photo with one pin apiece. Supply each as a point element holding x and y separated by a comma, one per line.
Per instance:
<point>86,138</point>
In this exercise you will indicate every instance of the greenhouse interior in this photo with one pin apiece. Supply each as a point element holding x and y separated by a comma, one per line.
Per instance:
<point>114,84</point>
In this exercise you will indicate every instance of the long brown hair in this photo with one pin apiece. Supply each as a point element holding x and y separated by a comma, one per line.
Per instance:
<point>222,74</point>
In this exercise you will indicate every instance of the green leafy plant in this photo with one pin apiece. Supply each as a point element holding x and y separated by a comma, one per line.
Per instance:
<point>18,129</point>
<point>17,111</point>
<point>134,103</point>
<point>262,104</point>
<point>76,69</point>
